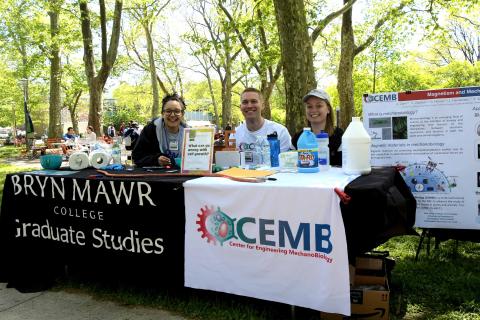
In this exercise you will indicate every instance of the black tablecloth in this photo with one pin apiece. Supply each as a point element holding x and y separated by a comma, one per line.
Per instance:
<point>134,227</point>
<point>381,207</point>
<point>149,213</point>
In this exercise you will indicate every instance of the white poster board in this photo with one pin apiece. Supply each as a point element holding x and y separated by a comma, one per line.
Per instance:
<point>435,134</point>
<point>197,150</point>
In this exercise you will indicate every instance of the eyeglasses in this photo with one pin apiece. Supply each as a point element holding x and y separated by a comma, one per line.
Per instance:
<point>175,112</point>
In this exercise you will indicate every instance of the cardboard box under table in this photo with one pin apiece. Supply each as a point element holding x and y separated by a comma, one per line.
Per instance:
<point>369,293</point>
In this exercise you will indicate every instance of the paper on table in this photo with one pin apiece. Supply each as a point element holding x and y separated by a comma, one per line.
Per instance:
<point>242,173</point>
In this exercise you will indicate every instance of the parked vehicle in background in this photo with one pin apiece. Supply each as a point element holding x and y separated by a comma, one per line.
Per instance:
<point>9,140</point>
<point>4,133</point>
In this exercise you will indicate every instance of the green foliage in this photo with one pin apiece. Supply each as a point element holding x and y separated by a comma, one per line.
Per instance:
<point>10,96</point>
<point>410,75</point>
<point>25,42</point>
<point>74,84</point>
<point>256,22</point>
<point>455,37</point>
<point>458,74</point>
<point>198,97</point>
<point>132,103</point>
<point>278,115</point>
<point>23,30</point>
<point>8,153</point>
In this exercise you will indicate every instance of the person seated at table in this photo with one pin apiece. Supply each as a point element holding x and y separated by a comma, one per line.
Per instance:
<point>107,139</point>
<point>70,135</point>
<point>318,112</point>
<point>251,105</point>
<point>90,135</point>
<point>161,139</point>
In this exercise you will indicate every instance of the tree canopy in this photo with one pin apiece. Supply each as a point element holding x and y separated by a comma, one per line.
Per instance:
<point>78,53</point>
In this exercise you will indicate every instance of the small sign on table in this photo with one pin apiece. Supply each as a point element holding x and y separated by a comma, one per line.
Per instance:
<point>197,153</point>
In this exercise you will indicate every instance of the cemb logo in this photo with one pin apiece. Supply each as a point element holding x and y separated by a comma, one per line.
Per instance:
<point>216,225</point>
<point>384,97</point>
<point>244,146</point>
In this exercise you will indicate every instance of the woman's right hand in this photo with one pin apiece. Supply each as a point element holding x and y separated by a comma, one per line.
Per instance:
<point>164,161</point>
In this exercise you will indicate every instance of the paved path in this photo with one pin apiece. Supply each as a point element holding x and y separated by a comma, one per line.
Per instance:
<point>19,162</point>
<point>59,305</point>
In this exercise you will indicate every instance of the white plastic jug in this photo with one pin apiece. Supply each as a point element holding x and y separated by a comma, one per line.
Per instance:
<point>356,144</point>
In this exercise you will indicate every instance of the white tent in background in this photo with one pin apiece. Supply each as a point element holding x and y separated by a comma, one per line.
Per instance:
<point>200,123</point>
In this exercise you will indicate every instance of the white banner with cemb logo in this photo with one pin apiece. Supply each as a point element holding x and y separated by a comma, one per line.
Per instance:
<point>272,241</point>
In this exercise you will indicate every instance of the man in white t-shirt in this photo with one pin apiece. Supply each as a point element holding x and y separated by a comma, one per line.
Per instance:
<point>251,105</point>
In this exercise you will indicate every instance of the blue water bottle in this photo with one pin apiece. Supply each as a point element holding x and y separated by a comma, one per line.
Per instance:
<point>274,149</point>
<point>307,152</point>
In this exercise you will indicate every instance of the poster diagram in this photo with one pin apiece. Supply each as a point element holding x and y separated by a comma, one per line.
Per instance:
<point>435,134</point>
<point>427,177</point>
<point>391,128</point>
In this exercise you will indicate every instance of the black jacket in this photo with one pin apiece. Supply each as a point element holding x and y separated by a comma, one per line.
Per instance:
<point>334,142</point>
<point>147,150</point>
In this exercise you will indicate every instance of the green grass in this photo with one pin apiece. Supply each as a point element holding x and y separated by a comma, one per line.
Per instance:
<point>442,286</point>
<point>9,152</point>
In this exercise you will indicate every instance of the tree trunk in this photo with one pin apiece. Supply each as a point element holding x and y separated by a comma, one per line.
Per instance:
<point>74,117</point>
<point>96,106</point>
<point>153,72</point>
<point>345,70</point>
<point>55,121</point>
<point>72,108</point>
<point>227,84</point>
<point>266,112</point>
<point>212,95</point>
<point>226,99</point>
<point>96,81</point>
<point>297,58</point>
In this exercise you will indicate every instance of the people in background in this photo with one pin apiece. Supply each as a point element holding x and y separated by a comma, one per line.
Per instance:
<point>251,105</point>
<point>111,130</point>
<point>228,126</point>
<point>90,135</point>
<point>70,135</point>
<point>130,135</point>
<point>121,129</point>
<point>160,141</point>
<point>319,114</point>
<point>107,139</point>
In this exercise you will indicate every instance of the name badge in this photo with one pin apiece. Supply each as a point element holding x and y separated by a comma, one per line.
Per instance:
<point>173,145</point>
<point>248,157</point>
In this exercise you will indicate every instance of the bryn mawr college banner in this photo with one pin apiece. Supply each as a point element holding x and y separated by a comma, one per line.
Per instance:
<point>131,228</point>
